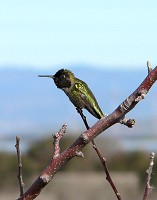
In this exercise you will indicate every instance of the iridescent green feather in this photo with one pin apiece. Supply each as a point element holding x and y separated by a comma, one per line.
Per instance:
<point>86,98</point>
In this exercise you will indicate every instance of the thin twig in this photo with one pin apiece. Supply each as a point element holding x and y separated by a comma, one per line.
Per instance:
<point>46,177</point>
<point>108,176</point>
<point>21,183</point>
<point>148,187</point>
<point>102,159</point>
<point>83,117</point>
<point>57,137</point>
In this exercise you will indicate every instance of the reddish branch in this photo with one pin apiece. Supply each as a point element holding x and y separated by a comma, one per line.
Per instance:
<point>102,159</point>
<point>103,124</point>
<point>57,137</point>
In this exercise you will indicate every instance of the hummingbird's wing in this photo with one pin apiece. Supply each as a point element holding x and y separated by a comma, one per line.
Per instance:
<point>88,99</point>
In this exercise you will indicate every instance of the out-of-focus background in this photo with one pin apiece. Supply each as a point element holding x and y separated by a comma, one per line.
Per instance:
<point>106,44</point>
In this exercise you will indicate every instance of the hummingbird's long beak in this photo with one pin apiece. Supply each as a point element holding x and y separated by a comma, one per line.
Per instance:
<point>48,76</point>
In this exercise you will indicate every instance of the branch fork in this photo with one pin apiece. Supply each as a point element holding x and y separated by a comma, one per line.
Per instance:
<point>60,159</point>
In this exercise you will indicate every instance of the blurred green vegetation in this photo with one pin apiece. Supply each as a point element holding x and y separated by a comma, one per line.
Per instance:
<point>39,154</point>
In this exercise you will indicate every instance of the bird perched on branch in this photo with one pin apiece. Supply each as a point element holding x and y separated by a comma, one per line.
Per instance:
<point>77,91</point>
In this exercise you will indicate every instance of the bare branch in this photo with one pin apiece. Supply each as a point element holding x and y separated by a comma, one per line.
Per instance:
<point>102,159</point>
<point>21,183</point>
<point>103,124</point>
<point>108,176</point>
<point>57,137</point>
<point>148,188</point>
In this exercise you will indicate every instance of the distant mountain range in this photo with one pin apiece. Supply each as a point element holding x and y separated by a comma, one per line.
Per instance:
<point>32,106</point>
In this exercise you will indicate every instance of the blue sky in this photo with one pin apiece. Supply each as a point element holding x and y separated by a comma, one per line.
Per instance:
<point>104,33</point>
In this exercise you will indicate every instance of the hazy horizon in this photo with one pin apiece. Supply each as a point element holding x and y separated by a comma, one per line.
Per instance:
<point>34,107</point>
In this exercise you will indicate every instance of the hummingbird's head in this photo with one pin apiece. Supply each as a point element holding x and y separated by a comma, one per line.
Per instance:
<point>62,78</point>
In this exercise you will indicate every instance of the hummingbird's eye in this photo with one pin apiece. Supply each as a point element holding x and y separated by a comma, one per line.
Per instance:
<point>64,76</point>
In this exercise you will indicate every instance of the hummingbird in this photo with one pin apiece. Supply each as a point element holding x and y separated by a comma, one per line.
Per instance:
<point>77,90</point>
